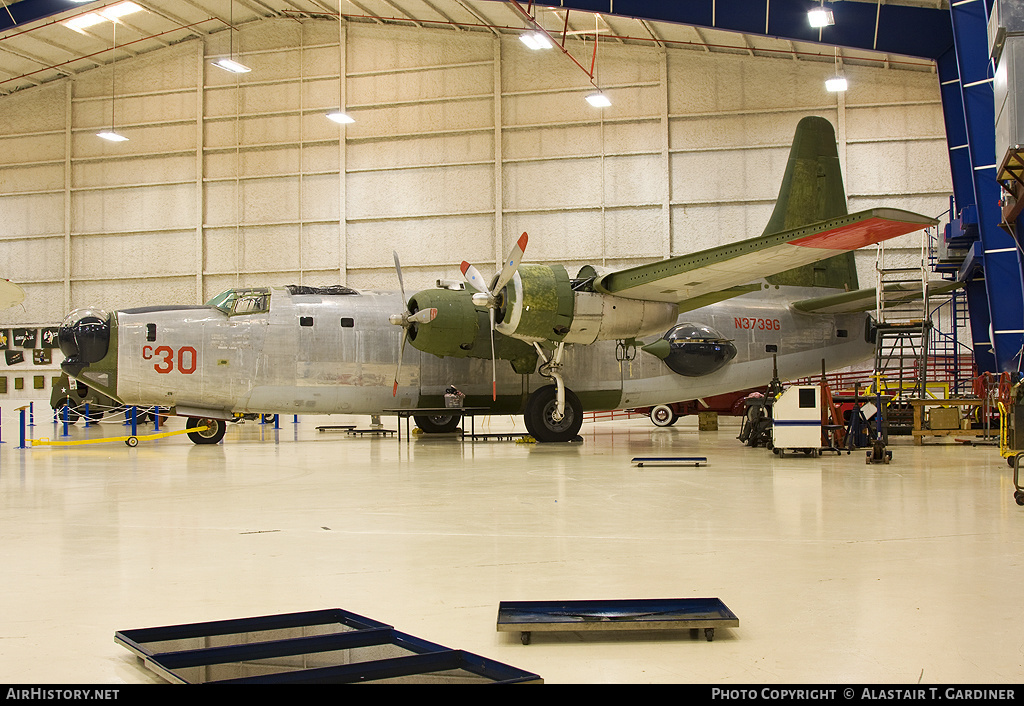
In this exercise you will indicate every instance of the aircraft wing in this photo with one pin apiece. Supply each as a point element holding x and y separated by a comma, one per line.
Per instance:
<point>678,279</point>
<point>865,299</point>
<point>10,294</point>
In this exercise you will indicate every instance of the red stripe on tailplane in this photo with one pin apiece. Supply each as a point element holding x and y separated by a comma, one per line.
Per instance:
<point>870,231</point>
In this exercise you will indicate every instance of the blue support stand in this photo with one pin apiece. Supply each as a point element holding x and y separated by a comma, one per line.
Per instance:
<point>66,412</point>
<point>31,414</point>
<point>22,446</point>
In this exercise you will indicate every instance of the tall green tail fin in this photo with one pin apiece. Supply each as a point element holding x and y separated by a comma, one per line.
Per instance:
<point>812,190</point>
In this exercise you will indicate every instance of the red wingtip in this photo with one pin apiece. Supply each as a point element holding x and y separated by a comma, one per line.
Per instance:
<point>465,266</point>
<point>522,241</point>
<point>494,390</point>
<point>394,391</point>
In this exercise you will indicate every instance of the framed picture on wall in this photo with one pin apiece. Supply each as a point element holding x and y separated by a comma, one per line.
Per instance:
<point>25,337</point>
<point>48,337</point>
<point>14,357</point>
<point>5,339</point>
<point>42,356</point>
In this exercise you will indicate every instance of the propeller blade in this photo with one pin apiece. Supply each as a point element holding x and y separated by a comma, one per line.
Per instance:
<point>494,362</point>
<point>423,316</point>
<point>398,269</point>
<point>474,277</point>
<point>401,354</point>
<point>508,269</point>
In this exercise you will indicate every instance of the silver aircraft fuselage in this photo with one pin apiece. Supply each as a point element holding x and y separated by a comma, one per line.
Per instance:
<point>338,354</point>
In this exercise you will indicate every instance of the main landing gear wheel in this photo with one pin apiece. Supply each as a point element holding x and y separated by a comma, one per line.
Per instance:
<point>213,433</point>
<point>437,423</point>
<point>539,416</point>
<point>663,416</point>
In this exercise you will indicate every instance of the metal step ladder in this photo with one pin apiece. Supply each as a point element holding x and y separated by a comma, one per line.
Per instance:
<point>903,324</point>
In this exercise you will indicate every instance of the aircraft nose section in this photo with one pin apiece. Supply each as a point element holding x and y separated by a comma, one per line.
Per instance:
<point>83,337</point>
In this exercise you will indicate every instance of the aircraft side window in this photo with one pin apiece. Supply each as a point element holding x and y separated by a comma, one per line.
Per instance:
<point>150,332</point>
<point>771,348</point>
<point>346,322</point>
<point>841,333</point>
<point>305,321</point>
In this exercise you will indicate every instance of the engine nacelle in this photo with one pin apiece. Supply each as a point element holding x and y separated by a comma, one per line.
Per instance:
<point>540,304</point>
<point>461,329</point>
<point>456,328</point>
<point>693,350</point>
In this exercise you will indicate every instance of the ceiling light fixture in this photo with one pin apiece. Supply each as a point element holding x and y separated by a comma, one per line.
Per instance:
<point>598,99</point>
<point>112,135</point>
<point>341,118</point>
<point>107,14</point>
<point>536,40</point>
<point>232,66</point>
<point>836,84</point>
<point>228,63</point>
<point>821,17</point>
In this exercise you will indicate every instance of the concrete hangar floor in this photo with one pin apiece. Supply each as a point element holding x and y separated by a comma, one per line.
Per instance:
<point>838,571</point>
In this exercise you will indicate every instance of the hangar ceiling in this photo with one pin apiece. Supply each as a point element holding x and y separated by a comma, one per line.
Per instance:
<point>36,46</point>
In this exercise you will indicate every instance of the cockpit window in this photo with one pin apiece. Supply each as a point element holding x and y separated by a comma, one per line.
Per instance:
<point>242,301</point>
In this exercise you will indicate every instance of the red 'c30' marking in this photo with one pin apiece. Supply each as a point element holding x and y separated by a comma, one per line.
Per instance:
<point>186,357</point>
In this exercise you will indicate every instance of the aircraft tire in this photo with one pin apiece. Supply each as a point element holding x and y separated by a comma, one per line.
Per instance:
<point>663,416</point>
<point>212,435</point>
<point>437,423</point>
<point>539,421</point>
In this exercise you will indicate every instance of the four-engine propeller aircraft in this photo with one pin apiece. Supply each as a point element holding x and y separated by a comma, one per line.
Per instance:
<point>713,320</point>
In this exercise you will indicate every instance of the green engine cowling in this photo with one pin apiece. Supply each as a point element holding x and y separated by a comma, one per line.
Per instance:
<point>537,305</point>
<point>462,330</point>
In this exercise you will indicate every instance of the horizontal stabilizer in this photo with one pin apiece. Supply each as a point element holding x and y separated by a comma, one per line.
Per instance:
<point>678,279</point>
<point>10,294</point>
<point>866,299</point>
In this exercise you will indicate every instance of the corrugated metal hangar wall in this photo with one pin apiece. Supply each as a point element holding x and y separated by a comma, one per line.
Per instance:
<point>461,142</point>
